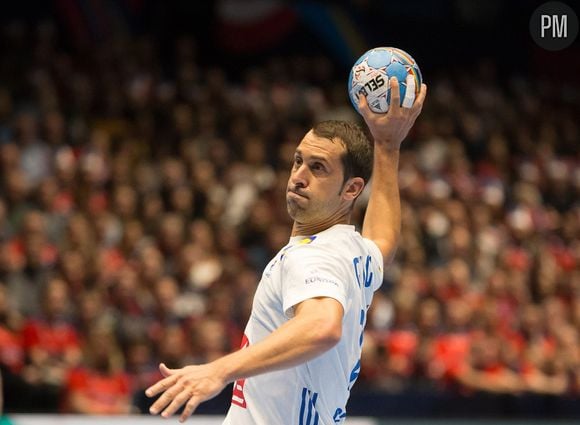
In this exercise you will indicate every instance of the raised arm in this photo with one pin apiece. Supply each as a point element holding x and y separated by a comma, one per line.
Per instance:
<point>382,221</point>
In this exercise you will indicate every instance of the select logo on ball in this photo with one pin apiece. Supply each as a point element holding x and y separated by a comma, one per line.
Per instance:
<point>372,85</point>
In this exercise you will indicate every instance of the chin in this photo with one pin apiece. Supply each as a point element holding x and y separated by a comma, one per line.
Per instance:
<point>294,211</point>
<point>291,212</point>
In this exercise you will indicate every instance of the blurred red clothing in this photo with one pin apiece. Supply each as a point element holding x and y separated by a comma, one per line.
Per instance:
<point>53,337</point>
<point>11,350</point>
<point>63,203</point>
<point>402,342</point>
<point>402,345</point>
<point>103,392</point>
<point>451,351</point>
<point>564,257</point>
<point>17,253</point>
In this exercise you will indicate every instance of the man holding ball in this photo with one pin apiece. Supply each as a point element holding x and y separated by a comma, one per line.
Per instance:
<point>301,350</point>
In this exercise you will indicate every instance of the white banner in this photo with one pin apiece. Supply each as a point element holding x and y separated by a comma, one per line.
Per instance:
<point>130,420</point>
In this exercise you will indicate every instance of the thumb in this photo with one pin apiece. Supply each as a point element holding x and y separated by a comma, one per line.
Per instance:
<point>363,105</point>
<point>165,371</point>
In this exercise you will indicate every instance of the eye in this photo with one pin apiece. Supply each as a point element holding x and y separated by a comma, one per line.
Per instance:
<point>297,161</point>
<point>318,167</point>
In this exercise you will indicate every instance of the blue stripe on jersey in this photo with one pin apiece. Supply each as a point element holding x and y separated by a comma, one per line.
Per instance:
<point>354,374</point>
<point>311,404</point>
<point>302,406</point>
<point>311,400</point>
<point>309,410</point>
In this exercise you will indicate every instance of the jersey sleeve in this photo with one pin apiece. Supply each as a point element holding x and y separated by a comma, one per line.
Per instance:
<point>311,272</point>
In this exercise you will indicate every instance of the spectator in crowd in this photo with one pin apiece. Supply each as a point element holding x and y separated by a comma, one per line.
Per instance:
<point>100,385</point>
<point>11,348</point>
<point>50,341</point>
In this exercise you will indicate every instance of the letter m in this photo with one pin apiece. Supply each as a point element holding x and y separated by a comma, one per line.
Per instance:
<point>560,26</point>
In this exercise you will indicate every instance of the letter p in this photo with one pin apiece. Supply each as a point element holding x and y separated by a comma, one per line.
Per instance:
<point>546,24</point>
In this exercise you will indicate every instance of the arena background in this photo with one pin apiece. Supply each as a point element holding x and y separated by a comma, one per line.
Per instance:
<point>140,76</point>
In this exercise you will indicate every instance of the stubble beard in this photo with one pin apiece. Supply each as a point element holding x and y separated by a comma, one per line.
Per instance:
<point>297,212</point>
<point>293,209</point>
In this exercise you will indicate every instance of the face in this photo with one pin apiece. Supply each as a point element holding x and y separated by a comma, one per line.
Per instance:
<point>316,191</point>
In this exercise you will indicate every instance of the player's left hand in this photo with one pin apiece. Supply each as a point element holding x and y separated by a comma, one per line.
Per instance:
<point>190,385</point>
<point>390,129</point>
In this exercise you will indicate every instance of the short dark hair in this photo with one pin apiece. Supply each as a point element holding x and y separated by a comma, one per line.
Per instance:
<point>358,159</point>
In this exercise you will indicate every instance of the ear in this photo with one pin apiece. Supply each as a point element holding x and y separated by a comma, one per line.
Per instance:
<point>352,188</point>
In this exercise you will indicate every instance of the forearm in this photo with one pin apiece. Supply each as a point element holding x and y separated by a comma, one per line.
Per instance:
<point>293,343</point>
<point>382,221</point>
<point>315,328</point>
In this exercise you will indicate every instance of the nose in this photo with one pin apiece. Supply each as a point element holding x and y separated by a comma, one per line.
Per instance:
<point>299,176</point>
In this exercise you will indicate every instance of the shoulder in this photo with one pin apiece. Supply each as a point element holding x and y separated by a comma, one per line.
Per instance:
<point>316,246</point>
<point>344,241</point>
<point>335,249</point>
<point>303,256</point>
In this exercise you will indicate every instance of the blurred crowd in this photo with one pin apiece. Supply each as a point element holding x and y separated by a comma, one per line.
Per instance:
<point>142,192</point>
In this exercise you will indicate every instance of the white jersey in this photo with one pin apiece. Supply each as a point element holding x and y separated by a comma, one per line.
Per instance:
<point>337,263</point>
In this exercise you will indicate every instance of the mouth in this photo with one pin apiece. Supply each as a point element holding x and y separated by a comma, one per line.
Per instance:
<point>296,193</point>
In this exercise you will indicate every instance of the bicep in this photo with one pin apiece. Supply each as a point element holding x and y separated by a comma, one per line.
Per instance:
<point>325,306</point>
<point>322,313</point>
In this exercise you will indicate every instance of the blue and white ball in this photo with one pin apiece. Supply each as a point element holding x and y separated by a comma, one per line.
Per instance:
<point>370,76</point>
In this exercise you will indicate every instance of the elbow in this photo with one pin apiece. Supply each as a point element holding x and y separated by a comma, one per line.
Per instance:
<point>389,256</point>
<point>327,335</point>
<point>333,337</point>
<point>388,248</point>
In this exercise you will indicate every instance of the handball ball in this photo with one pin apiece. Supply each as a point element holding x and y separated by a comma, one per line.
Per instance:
<point>370,76</point>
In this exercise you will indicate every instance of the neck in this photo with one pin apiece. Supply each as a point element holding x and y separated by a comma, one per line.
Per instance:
<point>307,229</point>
